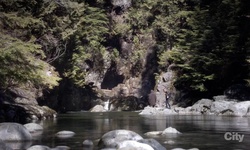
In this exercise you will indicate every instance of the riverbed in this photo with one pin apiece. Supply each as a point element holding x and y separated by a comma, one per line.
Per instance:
<point>205,132</point>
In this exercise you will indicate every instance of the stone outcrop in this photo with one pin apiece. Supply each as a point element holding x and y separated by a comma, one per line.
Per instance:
<point>19,104</point>
<point>165,85</point>
<point>219,105</point>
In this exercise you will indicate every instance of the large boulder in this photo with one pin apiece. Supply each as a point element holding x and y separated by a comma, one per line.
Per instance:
<point>111,139</point>
<point>14,132</point>
<point>133,145</point>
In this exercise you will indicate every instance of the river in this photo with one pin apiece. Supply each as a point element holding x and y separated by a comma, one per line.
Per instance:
<point>202,131</point>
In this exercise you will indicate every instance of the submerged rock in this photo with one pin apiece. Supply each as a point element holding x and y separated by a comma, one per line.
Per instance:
<point>39,147</point>
<point>170,130</point>
<point>170,142</point>
<point>153,143</point>
<point>33,127</point>
<point>167,131</point>
<point>153,133</point>
<point>65,134</point>
<point>88,143</point>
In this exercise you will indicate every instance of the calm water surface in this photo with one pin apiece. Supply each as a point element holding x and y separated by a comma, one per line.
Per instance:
<point>203,132</point>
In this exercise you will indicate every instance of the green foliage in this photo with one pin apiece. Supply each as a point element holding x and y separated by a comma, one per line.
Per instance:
<point>91,31</point>
<point>208,51</point>
<point>22,56</point>
<point>21,63</point>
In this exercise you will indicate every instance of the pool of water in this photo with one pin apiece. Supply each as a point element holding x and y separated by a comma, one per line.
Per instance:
<point>202,132</point>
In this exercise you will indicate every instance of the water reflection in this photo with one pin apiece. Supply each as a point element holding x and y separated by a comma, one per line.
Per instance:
<point>203,132</point>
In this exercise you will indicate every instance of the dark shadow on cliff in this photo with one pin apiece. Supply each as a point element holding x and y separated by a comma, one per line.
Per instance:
<point>68,97</point>
<point>149,72</point>
<point>111,78</point>
<point>9,111</point>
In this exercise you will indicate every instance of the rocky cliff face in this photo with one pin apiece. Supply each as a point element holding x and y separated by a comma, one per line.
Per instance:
<point>19,104</point>
<point>131,75</point>
<point>124,79</point>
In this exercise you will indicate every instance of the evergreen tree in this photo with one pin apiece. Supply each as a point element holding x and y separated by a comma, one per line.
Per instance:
<point>91,30</point>
<point>209,50</point>
<point>21,63</point>
<point>22,58</point>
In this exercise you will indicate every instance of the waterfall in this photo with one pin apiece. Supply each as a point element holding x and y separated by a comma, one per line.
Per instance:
<point>106,105</point>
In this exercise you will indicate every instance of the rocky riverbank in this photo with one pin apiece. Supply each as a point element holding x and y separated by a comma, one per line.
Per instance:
<point>219,105</point>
